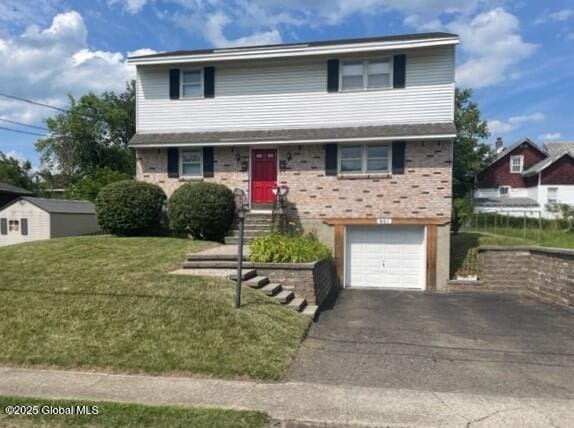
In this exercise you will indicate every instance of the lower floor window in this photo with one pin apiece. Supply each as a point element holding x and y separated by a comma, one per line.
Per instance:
<point>13,225</point>
<point>191,162</point>
<point>365,159</point>
<point>504,191</point>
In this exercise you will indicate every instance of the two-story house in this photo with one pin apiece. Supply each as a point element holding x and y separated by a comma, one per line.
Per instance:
<point>360,131</point>
<point>526,180</point>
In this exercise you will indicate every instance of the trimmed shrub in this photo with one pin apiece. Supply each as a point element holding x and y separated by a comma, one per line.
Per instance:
<point>278,248</point>
<point>204,210</point>
<point>130,208</point>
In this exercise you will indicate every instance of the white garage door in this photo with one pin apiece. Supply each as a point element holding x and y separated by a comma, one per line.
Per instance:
<point>385,257</point>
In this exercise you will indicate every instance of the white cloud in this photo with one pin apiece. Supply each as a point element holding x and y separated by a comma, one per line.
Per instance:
<point>558,16</point>
<point>505,126</point>
<point>130,6</point>
<point>492,45</point>
<point>46,64</point>
<point>215,24</point>
<point>550,136</point>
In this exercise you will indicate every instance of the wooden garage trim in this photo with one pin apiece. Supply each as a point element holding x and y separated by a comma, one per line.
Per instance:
<point>432,232</point>
<point>392,220</point>
<point>431,242</point>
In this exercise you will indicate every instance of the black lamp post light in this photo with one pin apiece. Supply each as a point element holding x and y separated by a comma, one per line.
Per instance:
<point>240,213</point>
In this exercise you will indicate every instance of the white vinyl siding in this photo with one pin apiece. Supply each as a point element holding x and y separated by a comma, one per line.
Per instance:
<point>279,94</point>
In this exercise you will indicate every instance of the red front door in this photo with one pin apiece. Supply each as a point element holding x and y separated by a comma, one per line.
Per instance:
<point>263,175</point>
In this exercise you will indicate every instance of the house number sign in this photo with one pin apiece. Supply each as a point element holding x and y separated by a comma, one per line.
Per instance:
<point>384,220</point>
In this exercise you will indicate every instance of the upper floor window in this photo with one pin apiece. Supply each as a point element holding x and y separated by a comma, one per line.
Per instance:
<point>552,196</point>
<point>191,162</point>
<point>365,159</point>
<point>516,164</point>
<point>191,83</point>
<point>366,74</point>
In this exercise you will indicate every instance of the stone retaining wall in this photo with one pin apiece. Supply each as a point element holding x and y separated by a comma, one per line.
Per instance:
<point>313,281</point>
<point>548,273</point>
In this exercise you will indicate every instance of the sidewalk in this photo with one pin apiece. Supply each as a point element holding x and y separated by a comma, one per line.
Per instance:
<point>337,404</point>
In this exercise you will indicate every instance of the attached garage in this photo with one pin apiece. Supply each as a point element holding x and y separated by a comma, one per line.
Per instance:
<point>385,256</point>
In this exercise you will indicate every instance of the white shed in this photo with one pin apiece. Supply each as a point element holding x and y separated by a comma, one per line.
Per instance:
<point>32,219</point>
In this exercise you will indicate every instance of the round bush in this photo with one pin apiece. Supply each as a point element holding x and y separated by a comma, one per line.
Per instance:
<point>205,210</point>
<point>130,208</point>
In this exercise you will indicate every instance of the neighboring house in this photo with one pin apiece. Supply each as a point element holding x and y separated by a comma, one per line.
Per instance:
<point>32,219</point>
<point>360,131</point>
<point>8,193</point>
<point>525,179</point>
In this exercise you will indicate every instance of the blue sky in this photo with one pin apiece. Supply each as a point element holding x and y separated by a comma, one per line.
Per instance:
<point>518,56</point>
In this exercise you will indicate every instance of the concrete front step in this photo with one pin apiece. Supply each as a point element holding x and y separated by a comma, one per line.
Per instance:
<point>271,289</point>
<point>250,233</point>
<point>284,297</point>
<point>213,257</point>
<point>257,282</point>
<point>297,304</point>
<point>232,240</point>
<point>215,264</point>
<point>310,311</point>
<point>246,274</point>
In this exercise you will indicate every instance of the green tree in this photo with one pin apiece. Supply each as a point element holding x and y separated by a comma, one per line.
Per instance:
<point>17,173</point>
<point>89,187</point>
<point>470,153</point>
<point>92,134</point>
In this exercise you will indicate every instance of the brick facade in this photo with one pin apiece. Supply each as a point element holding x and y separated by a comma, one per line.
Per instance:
<point>423,191</point>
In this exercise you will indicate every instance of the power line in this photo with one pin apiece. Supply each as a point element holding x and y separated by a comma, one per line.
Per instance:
<point>25,100</point>
<point>15,122</point>
<point>2,128</point>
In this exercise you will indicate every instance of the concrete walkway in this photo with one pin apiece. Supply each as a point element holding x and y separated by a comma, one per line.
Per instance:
<point>338,405</point>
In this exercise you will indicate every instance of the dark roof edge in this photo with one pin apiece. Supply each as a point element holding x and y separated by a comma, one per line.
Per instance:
<point>399,37</point>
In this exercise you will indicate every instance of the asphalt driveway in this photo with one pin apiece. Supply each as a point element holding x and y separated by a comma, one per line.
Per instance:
<point>479,343</point>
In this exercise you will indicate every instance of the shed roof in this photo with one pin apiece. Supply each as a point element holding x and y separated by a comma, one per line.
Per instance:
<point>9,188</point>
<point>59,206</point>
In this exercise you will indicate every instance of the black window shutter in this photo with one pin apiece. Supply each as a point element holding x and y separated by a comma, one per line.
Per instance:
<point>399,71</point>
<point>173,162</point>
<point>398,157</point>
<point>333,75</point>
<point>331,159</point>
<point>24,226</point>
<point>174,83</point>
<point>209,82</point>
<point>3,226</point>
<point>208,161</point>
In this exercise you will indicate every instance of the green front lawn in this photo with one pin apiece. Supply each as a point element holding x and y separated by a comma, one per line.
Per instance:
<point>126,415</point>
<point>107,303</point>
<point>464,245</point>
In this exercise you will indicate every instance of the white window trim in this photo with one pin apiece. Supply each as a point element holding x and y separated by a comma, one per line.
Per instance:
<point>500,195</point>
<point>364,171</point>
<point>521,157</point>
<point>180,156</point>
<point>365,62</point>
<point>201,83</point>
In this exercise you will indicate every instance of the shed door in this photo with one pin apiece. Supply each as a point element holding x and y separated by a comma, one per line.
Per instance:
<point>385,257</point>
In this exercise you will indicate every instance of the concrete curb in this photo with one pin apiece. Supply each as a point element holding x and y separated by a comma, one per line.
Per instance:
<point>311,403</point>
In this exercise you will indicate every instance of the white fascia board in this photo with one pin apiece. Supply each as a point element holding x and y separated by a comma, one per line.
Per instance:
<point>294,51</point>
<point>282,142</point>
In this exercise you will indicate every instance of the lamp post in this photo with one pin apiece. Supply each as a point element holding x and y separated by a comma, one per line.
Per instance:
<point>240,210</point>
